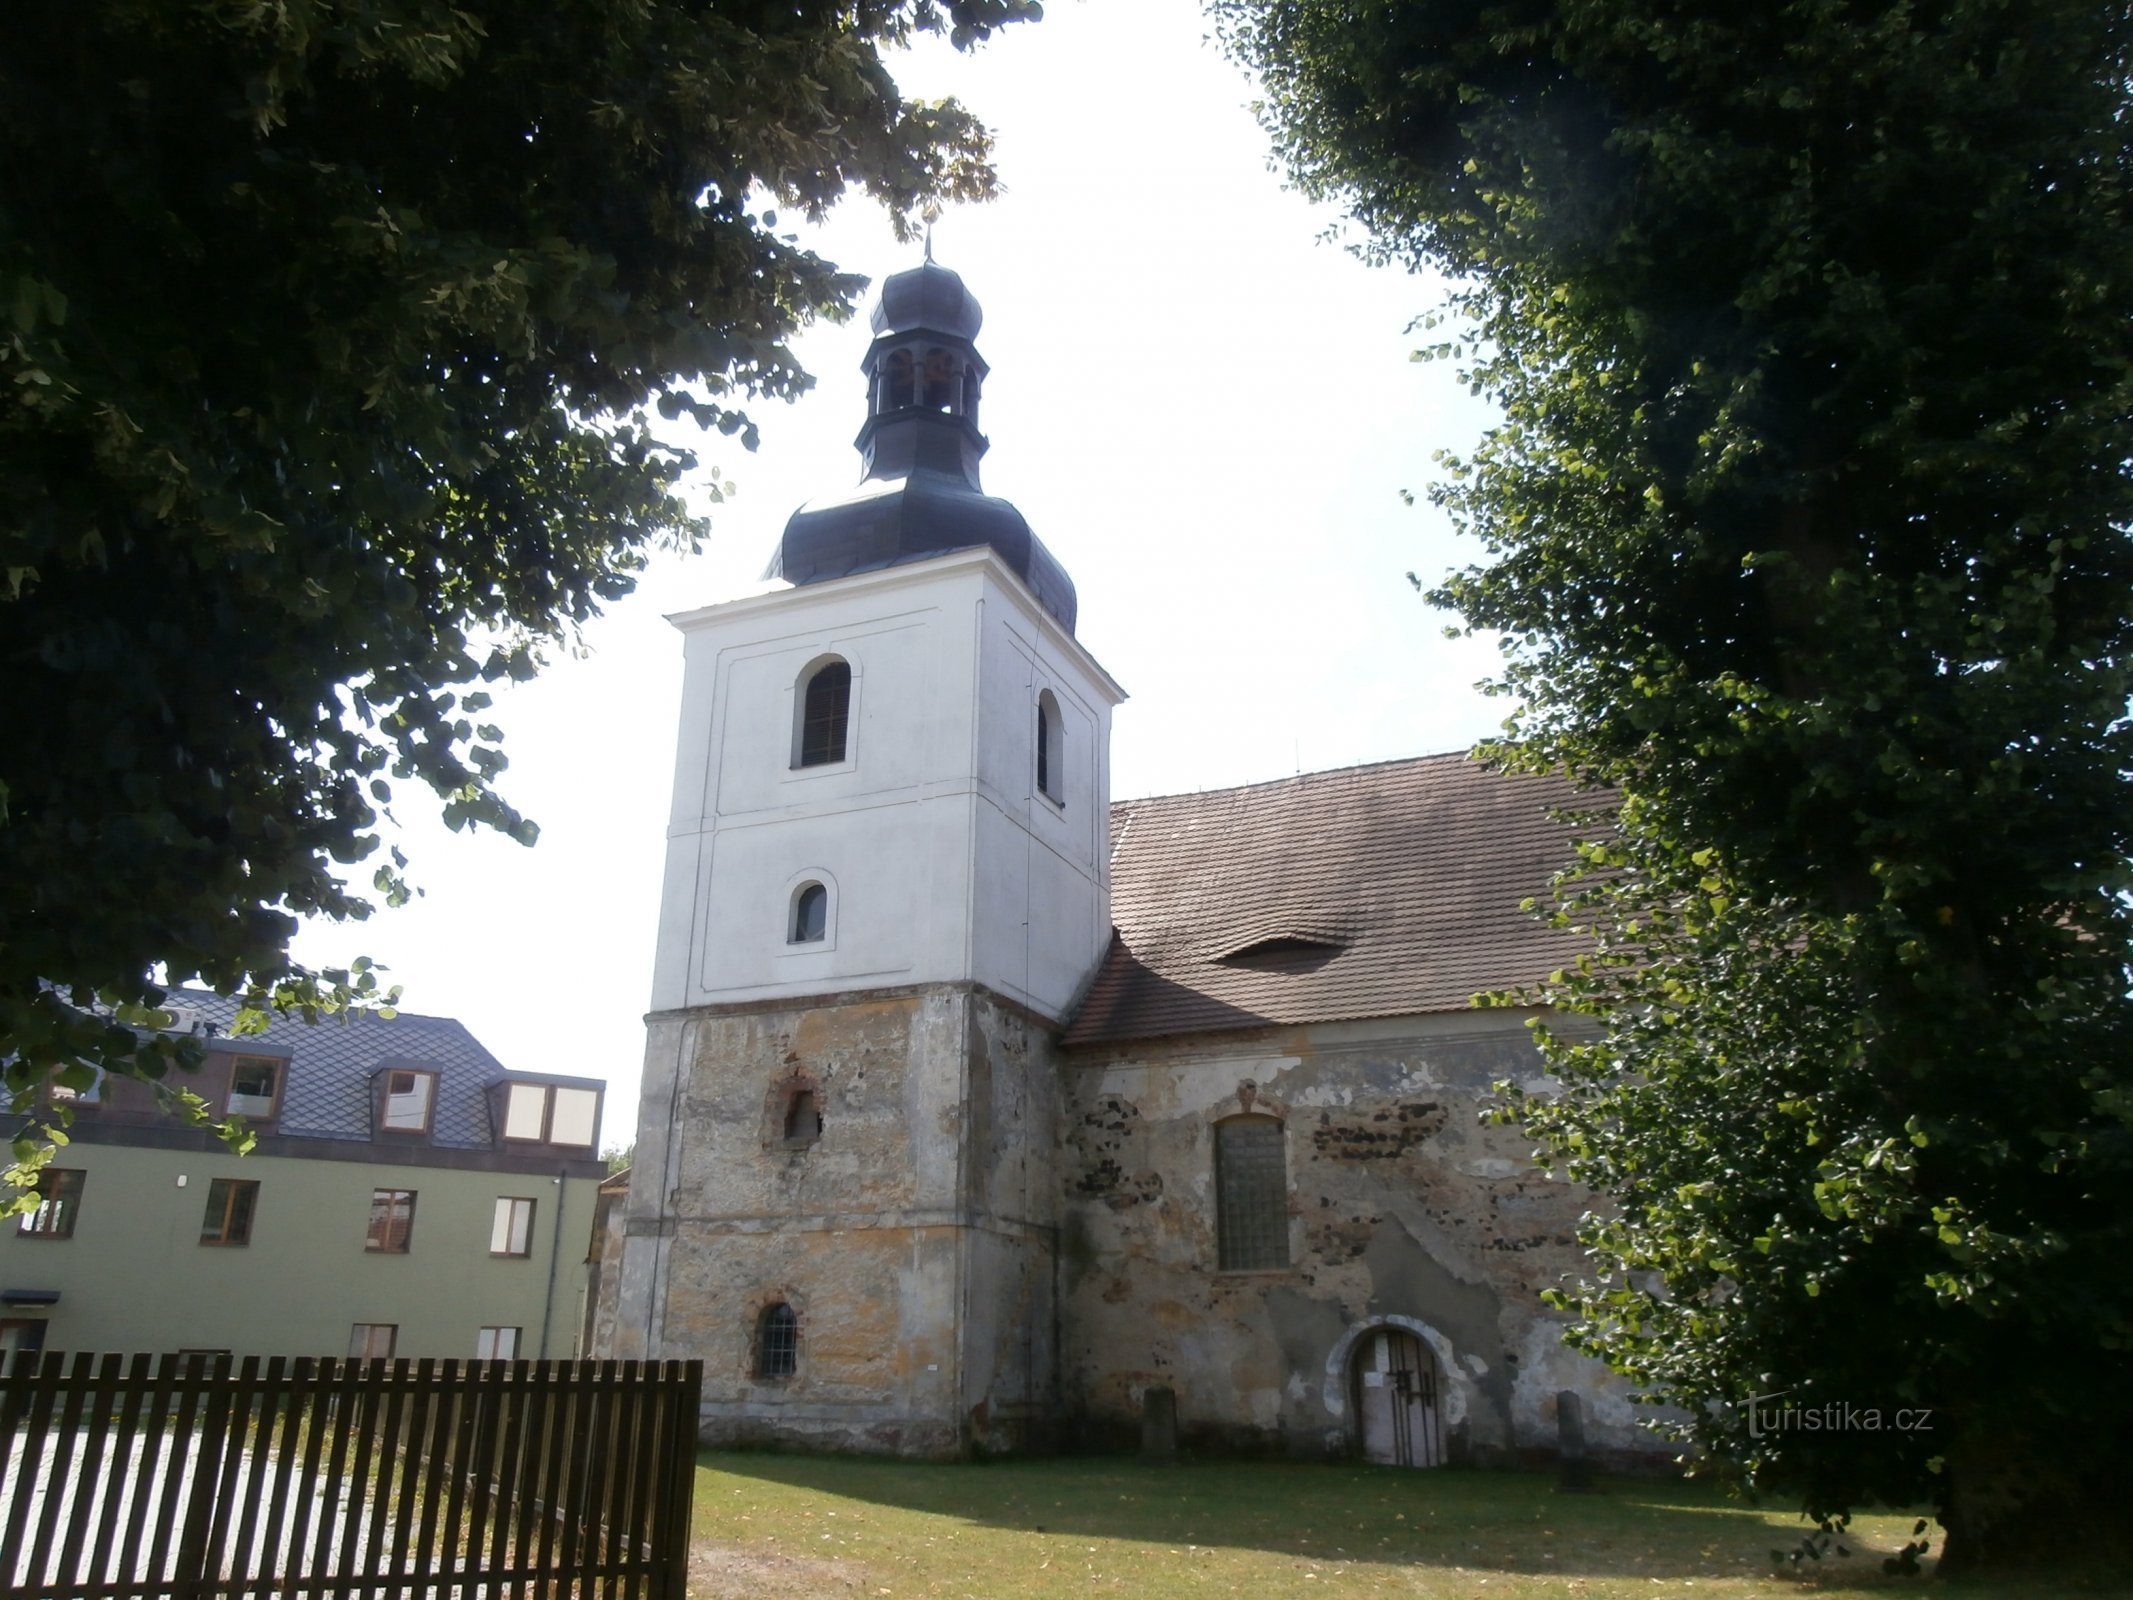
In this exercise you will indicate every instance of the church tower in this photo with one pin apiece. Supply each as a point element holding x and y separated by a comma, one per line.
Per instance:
<point>886,886</point>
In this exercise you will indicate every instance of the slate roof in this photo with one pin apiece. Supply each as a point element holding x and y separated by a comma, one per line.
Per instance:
<point>1385,890</point>
<point>328,1087</point>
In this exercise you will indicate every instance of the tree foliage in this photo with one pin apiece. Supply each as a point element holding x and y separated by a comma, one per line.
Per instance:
<point>1808,522</point>
<point>330,338</point>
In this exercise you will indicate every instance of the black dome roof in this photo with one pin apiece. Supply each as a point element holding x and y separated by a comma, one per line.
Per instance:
<point>920,496</point>
<point>928,297</point>
<point>888,522</point>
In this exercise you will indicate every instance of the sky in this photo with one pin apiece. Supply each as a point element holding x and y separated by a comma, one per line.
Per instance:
<point>1204,408</point>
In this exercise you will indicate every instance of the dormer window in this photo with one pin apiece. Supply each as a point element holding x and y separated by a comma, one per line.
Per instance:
<point>825,714</point>
<point>255,1087</point>
<point>408,1100</point>
<point>551,1113</point>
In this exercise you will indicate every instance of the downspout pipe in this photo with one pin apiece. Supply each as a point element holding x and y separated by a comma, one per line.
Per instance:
<point>555,1259</point>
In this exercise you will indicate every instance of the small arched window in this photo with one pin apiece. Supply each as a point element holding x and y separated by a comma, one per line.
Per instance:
<point>777,1342</point>
<point>810,914</point>
<point>1051,750</point>
<point>896,381</point>
<point>825,713</point>
<point>803,1123</point>
<point>1251,1194</point>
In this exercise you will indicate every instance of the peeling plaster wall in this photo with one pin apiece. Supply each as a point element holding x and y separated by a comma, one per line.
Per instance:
<point>912,1234</point>
<point>1400,1205</point>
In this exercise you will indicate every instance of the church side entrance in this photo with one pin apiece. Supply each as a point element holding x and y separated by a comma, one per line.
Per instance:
<point>1396,1400</point>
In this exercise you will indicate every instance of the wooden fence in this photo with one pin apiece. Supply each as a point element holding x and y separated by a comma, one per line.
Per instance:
<point>192,1478</point>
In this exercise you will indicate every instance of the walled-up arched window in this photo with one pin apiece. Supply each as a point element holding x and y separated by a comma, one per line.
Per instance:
<point>896,387</point>
<point>825,712</point>
<point>777,1342</point>
<point>810,914</point>
<point>940,381</point>
<point>1251,1194</point>
<point>803,1118</point>
<point>1051,750</point>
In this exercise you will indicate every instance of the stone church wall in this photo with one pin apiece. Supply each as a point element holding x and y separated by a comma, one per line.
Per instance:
<point>909,1232</point>
<point>1401,1208</point>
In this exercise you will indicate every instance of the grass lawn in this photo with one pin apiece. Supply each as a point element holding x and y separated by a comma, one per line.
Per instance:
<point>784,1526</point>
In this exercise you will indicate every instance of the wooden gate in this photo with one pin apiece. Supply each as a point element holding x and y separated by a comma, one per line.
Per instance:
<point>1396,1400</point>
<point>188,1478</point>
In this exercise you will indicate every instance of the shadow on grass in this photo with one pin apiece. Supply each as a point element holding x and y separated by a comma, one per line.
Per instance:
<point>1487,1522</point>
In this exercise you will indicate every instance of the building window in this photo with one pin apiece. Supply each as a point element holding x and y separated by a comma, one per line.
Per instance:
<point>230,1203</point>
<point>1051,750</point>
<point>810,915</point>
<point>410,1098</point>
<point>392,1221</point>
<point>777,1342</point>
<point>551,1113</point>
<point>512,1232</point>
<point>255,1087</point>
<point>1251,1194</point>
<point>372,1341</point>
<point>496,1344</point>
<point>58,1204</point>
<point>825,712</point>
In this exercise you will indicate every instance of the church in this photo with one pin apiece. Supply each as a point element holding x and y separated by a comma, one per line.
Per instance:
<point>982,1113</point>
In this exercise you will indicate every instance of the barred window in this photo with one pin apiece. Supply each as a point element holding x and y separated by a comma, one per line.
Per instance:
<point>825,709</point>
<point>1251,1194</point>
<point>777,1342</point>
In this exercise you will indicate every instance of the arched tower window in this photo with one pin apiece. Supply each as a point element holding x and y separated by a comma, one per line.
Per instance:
<point>777,1342</point>
<point>940,380</point>
<point>810,914</point>
<point>825,711</point>
<point>896,386</point>
<point>1251,1194</point>
<point>1051,750</point>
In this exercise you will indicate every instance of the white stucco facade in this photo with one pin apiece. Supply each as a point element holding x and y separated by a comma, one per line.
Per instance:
<point>931,836</point>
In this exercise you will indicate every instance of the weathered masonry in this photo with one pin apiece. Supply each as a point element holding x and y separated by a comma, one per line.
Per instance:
<point>981,1113</point>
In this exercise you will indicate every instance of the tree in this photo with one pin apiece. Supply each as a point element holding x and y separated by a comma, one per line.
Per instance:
<point>1808,521</point>
<point>329,338</point>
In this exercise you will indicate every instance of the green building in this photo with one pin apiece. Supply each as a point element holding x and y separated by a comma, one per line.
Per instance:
<point>408,1196</point>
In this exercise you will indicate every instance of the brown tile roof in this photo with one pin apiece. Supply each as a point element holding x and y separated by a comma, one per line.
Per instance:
<point>1385,890</point>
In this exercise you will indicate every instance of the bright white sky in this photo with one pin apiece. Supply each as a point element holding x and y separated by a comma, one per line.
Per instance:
<point>1203,410</point>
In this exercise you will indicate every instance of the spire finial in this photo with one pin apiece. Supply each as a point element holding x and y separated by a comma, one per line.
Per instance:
<point>929,241</point>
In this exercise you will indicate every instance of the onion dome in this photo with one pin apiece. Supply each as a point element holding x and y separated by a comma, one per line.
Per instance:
<point>919,495</point>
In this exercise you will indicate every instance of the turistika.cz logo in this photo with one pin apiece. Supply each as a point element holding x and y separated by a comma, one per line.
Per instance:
<point>1774,1413</point>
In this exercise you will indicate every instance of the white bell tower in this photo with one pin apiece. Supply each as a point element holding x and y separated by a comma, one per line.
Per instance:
<point>886,884</point>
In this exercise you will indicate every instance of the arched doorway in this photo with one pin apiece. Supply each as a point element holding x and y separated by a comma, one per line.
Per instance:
<point>1396,1400</point>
